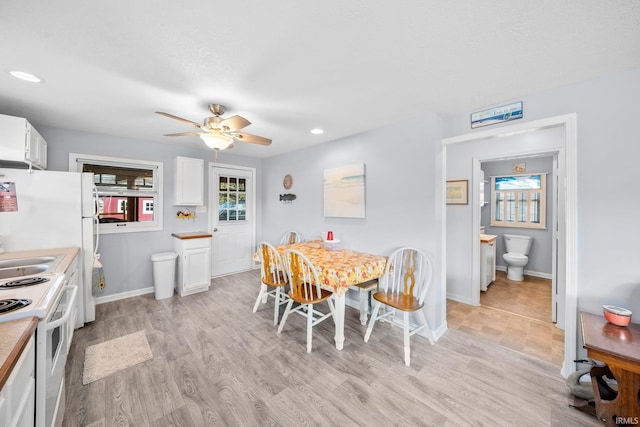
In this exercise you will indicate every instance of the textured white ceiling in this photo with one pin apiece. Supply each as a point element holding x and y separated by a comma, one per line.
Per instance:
<point>292,65</point>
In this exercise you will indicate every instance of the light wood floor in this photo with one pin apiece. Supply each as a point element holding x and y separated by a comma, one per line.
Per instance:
<point>217,363</point>
<point>515,315</point>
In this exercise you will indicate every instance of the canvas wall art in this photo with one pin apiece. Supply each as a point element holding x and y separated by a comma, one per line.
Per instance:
<point>344,191</point>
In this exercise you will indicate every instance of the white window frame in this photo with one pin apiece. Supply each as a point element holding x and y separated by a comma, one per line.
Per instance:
<point>516,224</point>
<point>76,162</point>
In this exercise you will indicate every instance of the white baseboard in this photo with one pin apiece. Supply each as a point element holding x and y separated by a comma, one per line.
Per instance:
<point>459,298</point>
<point>124,295</point>
<point>527,272</point>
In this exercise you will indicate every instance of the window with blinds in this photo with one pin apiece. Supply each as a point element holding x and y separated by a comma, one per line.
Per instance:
<point>519,201</point>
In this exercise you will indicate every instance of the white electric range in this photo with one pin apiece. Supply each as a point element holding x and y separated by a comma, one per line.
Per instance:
<point>41,290</point>
<point>50,298</point>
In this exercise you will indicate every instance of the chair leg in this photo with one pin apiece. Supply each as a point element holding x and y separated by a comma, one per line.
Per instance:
<point>276,307</point>
<point>407,350</point>
<point>261,296</point>
<point>374,314</point>
<point>286,314</point>
<point>309,327</point>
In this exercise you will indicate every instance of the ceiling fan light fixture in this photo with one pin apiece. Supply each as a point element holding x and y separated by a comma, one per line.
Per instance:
<point>215,141</point>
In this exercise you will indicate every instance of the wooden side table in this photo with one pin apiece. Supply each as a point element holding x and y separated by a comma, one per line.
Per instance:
<point>619,348</point>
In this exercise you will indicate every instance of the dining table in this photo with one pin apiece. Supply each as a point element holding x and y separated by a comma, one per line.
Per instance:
<point>338,270</point>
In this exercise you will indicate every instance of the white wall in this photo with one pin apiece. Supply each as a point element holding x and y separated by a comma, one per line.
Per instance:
<point>401,168</point>
<point>608,149</point>
<point>127,257</point>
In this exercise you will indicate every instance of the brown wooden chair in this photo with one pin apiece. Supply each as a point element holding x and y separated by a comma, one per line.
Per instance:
<point>273,279</point>
<point>305,289</point>
<point>404,287</point>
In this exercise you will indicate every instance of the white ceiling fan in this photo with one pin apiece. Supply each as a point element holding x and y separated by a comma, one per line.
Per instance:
<point>217,132</point>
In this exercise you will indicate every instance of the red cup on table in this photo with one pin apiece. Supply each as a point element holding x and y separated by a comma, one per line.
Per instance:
<point>329,235</point>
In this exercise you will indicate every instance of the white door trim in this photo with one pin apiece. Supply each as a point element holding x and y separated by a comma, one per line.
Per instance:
<point>213,204</point>
<point>569,123</point>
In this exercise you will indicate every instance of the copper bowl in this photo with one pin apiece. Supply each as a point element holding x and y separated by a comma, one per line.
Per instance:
<point>617,315</point>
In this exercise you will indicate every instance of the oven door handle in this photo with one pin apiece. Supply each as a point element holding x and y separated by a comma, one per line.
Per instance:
<point>69,308</point>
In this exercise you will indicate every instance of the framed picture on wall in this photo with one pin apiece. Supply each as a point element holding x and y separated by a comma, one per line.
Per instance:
<point>458,192</point>
<point>344,191</point>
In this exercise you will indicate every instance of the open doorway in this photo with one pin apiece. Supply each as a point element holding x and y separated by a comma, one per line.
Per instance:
<point>518,204</point>
<point>461,235</point>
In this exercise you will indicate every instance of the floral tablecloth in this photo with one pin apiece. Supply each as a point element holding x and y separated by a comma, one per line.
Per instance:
<point>339,269</point>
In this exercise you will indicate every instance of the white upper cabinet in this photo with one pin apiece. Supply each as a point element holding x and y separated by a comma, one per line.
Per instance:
<point>188,181</point>
<point>20,143</point>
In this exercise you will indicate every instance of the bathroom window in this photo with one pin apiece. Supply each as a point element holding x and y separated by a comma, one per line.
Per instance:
<point>519,201</point>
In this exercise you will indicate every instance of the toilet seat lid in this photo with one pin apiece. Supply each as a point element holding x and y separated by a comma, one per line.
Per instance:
<point>515,256</point>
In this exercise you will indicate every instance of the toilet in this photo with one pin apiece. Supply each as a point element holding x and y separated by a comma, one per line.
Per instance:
<point>517,248</point>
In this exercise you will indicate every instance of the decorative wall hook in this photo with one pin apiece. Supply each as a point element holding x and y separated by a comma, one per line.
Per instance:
<point>287,198</point>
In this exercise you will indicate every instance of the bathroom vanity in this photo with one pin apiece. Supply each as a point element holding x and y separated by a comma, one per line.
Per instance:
<point>487,260</point>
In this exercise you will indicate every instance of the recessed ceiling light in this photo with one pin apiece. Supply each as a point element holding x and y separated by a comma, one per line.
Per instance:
<point>28,77</point>
<point>317,131</point>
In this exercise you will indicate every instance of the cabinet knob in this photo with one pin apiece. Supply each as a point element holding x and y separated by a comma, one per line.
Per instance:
<point>215,229</point>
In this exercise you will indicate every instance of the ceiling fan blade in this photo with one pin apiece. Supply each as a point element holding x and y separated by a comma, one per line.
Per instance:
<point>180,119</point>
<point>235,123</point>
<point>183,134</point>
<point>254,139</point>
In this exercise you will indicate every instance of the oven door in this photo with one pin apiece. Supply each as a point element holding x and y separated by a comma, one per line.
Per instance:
<point>58,337</point>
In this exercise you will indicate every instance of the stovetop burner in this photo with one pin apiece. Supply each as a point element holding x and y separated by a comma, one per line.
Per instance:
<point>27,281</point>
<point>7,305</point>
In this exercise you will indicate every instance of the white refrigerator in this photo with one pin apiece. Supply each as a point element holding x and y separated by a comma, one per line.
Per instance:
<point>54,210</point>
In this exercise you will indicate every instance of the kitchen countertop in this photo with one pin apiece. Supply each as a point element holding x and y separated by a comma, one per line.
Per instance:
<point>14,336</point>
<point>487,238</point>
<point>192,235</point>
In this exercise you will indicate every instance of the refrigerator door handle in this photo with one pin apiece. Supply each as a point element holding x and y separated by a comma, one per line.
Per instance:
<point>96,221</point>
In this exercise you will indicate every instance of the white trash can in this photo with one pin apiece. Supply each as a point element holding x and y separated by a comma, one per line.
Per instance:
<point>164,273</point>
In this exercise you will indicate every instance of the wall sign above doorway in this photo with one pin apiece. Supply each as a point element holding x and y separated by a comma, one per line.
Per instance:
<point>495,115</point>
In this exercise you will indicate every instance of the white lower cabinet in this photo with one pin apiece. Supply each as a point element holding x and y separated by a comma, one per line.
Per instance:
<point>194,265</point>
<point>18,396</point>
<point>487,262</point>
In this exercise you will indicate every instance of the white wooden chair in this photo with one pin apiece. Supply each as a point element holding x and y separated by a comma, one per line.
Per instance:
<point>273,279</point>
<point>404,287</point>
<point>291,237</point>
<point>305,289</point>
